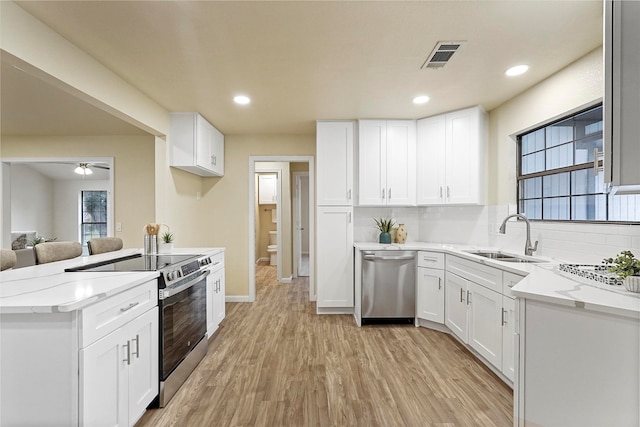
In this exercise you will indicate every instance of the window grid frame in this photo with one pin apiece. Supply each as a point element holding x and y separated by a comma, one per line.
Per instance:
<point>84,225</point>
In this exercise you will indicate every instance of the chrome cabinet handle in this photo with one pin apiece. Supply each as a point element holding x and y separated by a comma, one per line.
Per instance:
<point>129,307</point>
<point>439,283</point>
<point>213,160</point>
<point>504,322</point>
<point>383,194</point>
<point>349,218</point>
<point>448,195</point>
<point>137,352</point>
<point>128,359</point>
<point>441,192</point>
<point>389,193</point>
<point>461,295</point>
<point>468,297</point>
<point>349,194</point>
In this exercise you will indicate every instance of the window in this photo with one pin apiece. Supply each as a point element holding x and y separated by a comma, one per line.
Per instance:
<point>94,215</point>
<point>557,178</point>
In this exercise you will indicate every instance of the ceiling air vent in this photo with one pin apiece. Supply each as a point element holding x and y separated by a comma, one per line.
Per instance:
<point>441,54</point>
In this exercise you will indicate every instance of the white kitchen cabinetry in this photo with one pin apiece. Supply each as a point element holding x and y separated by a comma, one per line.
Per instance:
<point>267,189</point>
<point>451,158</point>
<point>509,336</point>
<point>215,294</point>
<point>430,287</point>
<point>387,162</point>
<point>622,92</point>
<point>577,367</point>
<point>334,157</point>
<point>474,306</point>
<point>334,259</point>
<point>94,366</point>
<point>119,373</point>
<point>196,146</point>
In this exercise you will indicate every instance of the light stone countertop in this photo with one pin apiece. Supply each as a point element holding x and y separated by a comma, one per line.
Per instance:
<point>542,282</point>
<point>47,288</point>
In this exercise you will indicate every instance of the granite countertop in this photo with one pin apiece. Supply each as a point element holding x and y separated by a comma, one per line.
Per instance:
<point>47,288</point>
<point>543,281</point>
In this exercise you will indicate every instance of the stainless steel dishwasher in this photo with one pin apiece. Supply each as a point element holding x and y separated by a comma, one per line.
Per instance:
<point>388,286</point>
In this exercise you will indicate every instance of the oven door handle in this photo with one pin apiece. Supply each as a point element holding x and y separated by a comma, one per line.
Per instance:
<point>178,287</point>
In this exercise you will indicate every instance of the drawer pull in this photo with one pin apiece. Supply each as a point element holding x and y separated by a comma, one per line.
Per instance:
<point>129,307</point>
<point>439,283</point>
<point>504,322</point>
<point>461,295</point>
<point>468,297</point>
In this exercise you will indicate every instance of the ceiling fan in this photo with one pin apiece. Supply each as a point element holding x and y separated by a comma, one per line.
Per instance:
<point>85,168</point>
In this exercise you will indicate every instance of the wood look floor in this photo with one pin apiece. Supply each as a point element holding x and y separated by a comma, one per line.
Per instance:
<point>276,363</point>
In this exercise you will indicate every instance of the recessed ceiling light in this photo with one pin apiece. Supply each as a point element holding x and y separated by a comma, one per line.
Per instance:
<point>422,99</point>
<point>241,99</point>
<point>517,70</point>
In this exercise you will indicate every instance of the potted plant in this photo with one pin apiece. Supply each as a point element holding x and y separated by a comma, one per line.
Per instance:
<point>627,267</point>
<point>166,243</point>
<point>385,226</point>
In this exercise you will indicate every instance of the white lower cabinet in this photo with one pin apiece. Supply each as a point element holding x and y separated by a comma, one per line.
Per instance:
<point>456,306</point>
<point>485,323</point>
<point>215,294</point>
<point>508,337</point>
<point>334,259</point>
<point>430,295</point>
<point>119,373</point>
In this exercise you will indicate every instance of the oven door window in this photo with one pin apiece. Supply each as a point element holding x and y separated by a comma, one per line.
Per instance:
<point>184,324</point>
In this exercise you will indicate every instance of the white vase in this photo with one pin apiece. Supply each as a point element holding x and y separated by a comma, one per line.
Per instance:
<point>165,248</point>
<point>632,283</point>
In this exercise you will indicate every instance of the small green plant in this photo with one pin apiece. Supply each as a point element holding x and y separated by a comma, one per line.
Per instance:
<point>624,264</point>
<point>36,240</point>
<point>384,225</point>
<point>167,237</point>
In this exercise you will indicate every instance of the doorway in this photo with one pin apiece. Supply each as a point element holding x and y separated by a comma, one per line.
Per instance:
<point>300,224</point>
<point>286,232</point>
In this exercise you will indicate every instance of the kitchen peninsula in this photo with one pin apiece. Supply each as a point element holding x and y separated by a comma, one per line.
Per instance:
<point>83,347</point>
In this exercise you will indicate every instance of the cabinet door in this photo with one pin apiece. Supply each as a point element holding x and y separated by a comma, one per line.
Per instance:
<point>401,162</point>
<point>216,155</point>
<point>456,306</point>
<point>203,142</point>
<point>219,300</point>
<point>430,156</point>
<point>143,371</point>
<point>103,381</point>
<point>508,337</point>
<point>485,323</point>
<point>430,295</point>
<point>335,257</point>
<point>334,163</point>
<point>372,165</point>
<point>267,189</point>
<point>463,157</point>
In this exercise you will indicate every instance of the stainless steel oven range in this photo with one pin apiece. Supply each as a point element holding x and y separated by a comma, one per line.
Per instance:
<point>182,301</point>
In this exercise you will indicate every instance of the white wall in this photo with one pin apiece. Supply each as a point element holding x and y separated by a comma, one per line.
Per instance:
<point>66,207</point>
<point>304,214</point>
<point>31,201</point>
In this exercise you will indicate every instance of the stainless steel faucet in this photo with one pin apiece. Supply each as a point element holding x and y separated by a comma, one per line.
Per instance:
<point>528,249</point>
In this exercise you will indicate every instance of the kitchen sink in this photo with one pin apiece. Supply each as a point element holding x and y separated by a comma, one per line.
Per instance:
<point>499,256</point>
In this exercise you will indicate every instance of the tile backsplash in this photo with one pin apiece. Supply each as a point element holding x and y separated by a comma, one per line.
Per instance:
<point>478,226</point>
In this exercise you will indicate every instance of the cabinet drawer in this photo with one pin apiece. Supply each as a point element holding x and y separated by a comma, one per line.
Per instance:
<point>106,316</point>
<point>481,274</point>
<point>431,259</point>
<point>508,281</point>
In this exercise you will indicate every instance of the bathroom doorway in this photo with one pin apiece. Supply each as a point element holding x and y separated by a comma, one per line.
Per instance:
<point>301,224</point>
<point>285,260</point>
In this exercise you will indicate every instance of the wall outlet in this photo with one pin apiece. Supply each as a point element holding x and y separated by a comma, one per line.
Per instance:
<point>118,226</point>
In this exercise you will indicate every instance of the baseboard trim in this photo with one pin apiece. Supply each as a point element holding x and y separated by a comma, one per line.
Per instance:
<point>237,298</point>
<point>334,310</point>
<point>286,279</point>
<point>261,259</point>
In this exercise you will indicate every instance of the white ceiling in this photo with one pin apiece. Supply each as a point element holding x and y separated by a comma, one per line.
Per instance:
<point>303,61</point>
<point>58,171</point>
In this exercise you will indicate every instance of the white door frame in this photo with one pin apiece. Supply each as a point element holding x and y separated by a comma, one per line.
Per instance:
<point>278,172</point>
<point>297,218</point>
<point>252,219</point>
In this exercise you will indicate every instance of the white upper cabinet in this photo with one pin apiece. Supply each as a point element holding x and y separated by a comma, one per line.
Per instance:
<point>451,158</point>
<point>386,159</point>
<point>196,146</point>
<point>334,155</point>
<point>267,189</point>
<point>622,92</point>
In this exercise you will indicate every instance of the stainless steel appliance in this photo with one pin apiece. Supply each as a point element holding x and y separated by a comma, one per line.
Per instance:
<point>388,286</point>
<point>182,301</point>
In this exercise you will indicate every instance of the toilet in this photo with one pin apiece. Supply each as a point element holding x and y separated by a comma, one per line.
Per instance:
<point>273,247</point>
